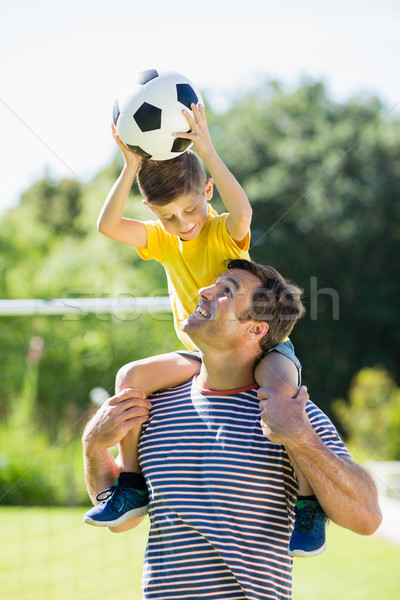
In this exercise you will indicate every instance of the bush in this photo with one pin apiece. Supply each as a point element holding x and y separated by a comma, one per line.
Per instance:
<point>35,472</point>
<point>371,415</point>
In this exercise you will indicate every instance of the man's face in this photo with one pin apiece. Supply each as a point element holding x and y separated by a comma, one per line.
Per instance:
<point>216,317</point>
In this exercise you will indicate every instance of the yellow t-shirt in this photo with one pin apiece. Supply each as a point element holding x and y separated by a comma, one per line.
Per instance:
<point>192,264</point>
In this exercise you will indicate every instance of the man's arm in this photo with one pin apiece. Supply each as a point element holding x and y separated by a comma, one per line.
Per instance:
<point>231,192</point>
<point>118,415</point>
<point>344,489</point>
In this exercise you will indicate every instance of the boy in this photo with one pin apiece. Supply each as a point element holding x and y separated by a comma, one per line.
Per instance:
<point>192,242</point>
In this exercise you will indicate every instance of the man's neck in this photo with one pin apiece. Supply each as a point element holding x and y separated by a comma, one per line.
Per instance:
<point>226,372</point>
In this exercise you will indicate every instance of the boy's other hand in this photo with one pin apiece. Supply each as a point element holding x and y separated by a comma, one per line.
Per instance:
<point>199,133</point>
<point>131,158</point>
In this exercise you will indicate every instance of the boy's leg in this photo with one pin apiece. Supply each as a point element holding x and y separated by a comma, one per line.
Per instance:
<point>128,497</point>
<point>150,375</point>
<point>281,370</point>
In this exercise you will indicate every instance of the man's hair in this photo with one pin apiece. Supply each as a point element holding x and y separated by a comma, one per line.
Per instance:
<point>161,182</point>
<point>277,302</point>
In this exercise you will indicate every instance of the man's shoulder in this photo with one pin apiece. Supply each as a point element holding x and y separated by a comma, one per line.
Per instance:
<point>192,384</point>
<point>325,429</point>
<point>182,388</point>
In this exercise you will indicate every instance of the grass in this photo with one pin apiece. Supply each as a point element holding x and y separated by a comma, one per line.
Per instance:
<point>49,554</point>
<point>352,567</point>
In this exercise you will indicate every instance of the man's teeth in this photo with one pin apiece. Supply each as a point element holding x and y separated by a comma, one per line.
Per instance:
<point>202,312</point>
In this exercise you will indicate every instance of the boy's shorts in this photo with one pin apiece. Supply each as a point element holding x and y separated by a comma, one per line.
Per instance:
<point>286,348</point>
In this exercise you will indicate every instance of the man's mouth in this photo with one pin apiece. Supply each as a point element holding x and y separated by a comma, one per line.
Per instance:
<point>199,310</point>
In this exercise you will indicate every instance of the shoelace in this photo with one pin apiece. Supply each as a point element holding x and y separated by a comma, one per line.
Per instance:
<point>109,493</point>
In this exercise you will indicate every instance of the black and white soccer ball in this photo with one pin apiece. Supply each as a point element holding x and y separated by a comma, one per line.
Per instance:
<point>150,111</point>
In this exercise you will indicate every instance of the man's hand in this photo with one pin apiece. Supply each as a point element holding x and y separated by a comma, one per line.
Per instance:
<point>117,415</point>
<point>283,417</point>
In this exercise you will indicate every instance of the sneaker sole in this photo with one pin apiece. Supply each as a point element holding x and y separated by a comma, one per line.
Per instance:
<point>299,553</point>
<point>135,512</point>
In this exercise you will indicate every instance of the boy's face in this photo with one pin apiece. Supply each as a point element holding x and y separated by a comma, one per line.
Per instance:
<point>187,215</point>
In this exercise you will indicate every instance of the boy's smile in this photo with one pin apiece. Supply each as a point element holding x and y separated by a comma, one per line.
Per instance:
<point>186,216</point>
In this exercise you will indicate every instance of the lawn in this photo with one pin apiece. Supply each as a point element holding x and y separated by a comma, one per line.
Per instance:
<point>49,554</point>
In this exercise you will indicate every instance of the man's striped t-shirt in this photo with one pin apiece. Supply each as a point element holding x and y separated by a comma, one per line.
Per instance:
<point>221,497</point>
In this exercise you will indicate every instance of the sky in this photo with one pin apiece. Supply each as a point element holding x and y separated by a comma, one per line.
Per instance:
<point>63,63</point>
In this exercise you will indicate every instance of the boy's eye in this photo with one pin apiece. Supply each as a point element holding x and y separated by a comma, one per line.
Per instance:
<point>189,211</point>
<point>169,218</point>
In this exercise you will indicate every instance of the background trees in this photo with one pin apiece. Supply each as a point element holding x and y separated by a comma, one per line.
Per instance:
<point>324,181</point>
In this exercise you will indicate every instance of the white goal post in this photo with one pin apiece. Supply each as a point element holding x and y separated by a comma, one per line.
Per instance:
<point>81,306</point>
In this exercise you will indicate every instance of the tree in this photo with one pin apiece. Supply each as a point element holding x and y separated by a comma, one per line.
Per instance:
<point>57,204</point>
<point>371,414</point>
<point>42,260</point>
<point>324,182</point>
<point>323,179</point>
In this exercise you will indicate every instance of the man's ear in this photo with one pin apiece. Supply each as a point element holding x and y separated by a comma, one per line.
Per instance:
<point>257,330</point>
<point>209,189</point>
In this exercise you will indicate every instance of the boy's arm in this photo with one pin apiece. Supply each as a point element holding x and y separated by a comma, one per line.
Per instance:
<point>231,192</point>
<point>233,197</point>
<point>277,372</point>
<point>110,221</point>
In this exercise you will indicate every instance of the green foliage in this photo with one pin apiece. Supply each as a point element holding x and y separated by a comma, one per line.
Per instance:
<point>371,414</point>
<point>323,179</point>
<point>35,470</point>
<point>81,351</point>
<point>56,205</point>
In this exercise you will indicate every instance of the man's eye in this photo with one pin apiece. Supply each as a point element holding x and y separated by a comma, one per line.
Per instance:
<point>228,292</point>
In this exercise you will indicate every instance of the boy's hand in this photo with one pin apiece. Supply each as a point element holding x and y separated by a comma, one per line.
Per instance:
<point>198,133</point>
<point>131,158</point>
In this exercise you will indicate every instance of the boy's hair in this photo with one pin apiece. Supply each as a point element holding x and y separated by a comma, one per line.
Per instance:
<point>161,182</point>
<point>277,302</point>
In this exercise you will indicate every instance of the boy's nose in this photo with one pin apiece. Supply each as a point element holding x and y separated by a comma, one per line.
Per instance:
<point>184,225</point>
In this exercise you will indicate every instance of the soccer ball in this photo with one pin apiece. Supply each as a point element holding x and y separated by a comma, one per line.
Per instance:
<point>150,111</point>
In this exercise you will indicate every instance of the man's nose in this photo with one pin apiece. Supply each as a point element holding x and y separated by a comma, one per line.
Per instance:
<point>206,292</point>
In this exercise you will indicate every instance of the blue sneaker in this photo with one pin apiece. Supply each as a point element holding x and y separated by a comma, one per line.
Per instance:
<point>309,533</point>
<point>117,505</point>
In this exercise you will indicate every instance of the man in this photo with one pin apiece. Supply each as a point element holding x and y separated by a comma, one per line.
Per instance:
<point>222,487</point>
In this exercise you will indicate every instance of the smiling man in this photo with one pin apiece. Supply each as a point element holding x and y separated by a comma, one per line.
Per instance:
<point>215,457</point>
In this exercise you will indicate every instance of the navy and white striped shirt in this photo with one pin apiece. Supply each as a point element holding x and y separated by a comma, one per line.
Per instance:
<point>221,497</point>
